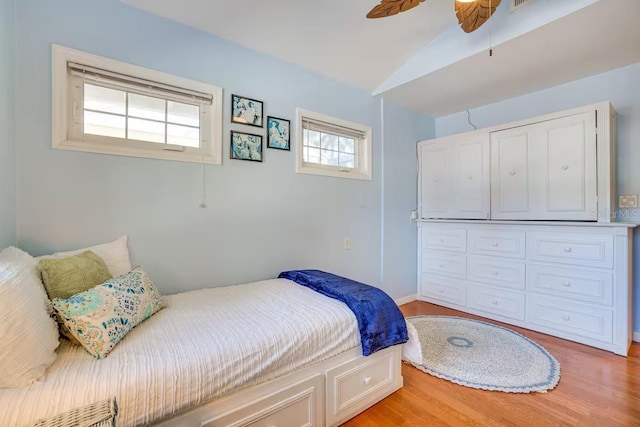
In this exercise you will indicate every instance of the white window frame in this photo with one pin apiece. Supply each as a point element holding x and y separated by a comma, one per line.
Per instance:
<point>363,149</point>
<point>209,152</point>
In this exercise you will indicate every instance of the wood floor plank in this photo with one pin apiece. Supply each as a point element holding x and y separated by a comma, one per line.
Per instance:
<point>596,389</point>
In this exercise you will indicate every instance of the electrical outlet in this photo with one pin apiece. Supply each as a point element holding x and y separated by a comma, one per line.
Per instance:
<point>347,244</point>
<point>628,201</point>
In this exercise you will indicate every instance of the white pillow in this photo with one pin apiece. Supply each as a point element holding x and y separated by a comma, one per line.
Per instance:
<point>29,336</point>
<point>115,255</point>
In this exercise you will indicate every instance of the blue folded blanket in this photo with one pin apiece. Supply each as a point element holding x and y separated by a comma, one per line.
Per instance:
<point>380,321</point>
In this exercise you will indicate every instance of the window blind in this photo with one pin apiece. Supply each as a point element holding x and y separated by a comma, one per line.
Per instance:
<point>150,87</point>
<point>320,126</point>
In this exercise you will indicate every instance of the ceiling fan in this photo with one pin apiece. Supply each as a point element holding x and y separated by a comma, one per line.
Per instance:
<point>471,13</point>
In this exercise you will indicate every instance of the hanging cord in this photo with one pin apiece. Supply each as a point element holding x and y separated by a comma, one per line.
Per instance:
<point>469,120</point>
<point>203,203</point>
<point>490,29</point>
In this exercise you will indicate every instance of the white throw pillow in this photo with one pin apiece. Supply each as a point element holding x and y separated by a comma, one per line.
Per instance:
<point>115,255</point>
<point>29,335</point>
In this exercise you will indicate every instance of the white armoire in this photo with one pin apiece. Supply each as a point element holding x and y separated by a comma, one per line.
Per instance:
<point>516,224</point>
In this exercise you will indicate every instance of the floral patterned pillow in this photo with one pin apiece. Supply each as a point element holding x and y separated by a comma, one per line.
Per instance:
<point>101,316</point>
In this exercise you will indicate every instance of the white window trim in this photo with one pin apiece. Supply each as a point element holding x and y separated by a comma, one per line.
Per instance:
<point>364,159</point>
<point>61,56</point>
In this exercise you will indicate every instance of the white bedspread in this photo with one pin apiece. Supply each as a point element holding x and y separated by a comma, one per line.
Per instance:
<point>203,345</point>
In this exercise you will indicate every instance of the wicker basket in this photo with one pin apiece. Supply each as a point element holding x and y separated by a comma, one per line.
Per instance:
<point>100,414</point>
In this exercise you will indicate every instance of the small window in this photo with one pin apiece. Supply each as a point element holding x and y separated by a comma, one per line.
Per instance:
<point>332,147</point>
<point>106,106</point>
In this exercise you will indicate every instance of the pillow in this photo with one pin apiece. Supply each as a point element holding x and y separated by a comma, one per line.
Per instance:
<point>29,335</point>
<point>64,277</point>
<point>100,317</point>
<point>115,254</point>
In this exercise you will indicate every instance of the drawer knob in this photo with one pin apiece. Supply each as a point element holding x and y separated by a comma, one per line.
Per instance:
<point>567,249</point>
<point>494,302</point>
<point>436,180</point>
<point>512,173</point>
<point>441,265</point>
<point>564,167</point>
<point>494,244</point>
<point>441,240</point>
<point>566,284</point>
<point>496,273</point>
<point>469,177</point>
<point>367,380</point>
<point>566,317</point>
<point>441,291</point>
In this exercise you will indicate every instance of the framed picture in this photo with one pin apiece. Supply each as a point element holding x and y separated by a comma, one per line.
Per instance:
<point>246,146</point>
<point>246,111</point>
<point>278,133</point>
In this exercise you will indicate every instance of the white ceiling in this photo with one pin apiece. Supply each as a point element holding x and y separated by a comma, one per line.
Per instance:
<point>420,58</point>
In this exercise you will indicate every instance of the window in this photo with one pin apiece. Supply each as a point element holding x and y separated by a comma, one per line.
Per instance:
<point>105,106</point>
<point>332,147</point>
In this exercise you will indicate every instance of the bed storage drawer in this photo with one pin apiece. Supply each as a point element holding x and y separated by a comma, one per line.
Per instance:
<point>361,383</point>
<point>296,406</point>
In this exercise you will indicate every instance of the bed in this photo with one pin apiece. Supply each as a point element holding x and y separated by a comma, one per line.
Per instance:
<point>266,353</point>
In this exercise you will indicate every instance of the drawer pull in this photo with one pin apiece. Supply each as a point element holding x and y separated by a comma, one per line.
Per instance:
<point>566,284</point>
<point>367,380</point>
<point>512,173</point>
<point>494,244</point>
<point>566,317</point>
<point>564,167</point>
<point>441,291</point>
<point>494,302</point>
<point>496,273</point>
<point>441,265</point>
<point>469,177</point>
<point>567,249</point>
<point>441,240</point>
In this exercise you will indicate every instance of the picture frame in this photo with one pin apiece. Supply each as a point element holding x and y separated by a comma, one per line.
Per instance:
<point>246,146</point>
<point>278,133</point>
<point>247,111</point>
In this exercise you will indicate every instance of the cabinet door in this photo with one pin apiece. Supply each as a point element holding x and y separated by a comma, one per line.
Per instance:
<point>567,186</point>
<point>434,181</point>
<point>471,181</point>
<point>513,193</point>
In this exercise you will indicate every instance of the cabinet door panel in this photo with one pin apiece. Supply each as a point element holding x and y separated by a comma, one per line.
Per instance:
<point>434,160</point>
<point>471,178</point>
<point>512,192</point>
<point>567,149</point>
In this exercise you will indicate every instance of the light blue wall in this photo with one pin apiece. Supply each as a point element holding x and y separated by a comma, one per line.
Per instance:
<point>7,140</point>
<point>260,219</point>
<point>621,87</point>
<point>400,193</point>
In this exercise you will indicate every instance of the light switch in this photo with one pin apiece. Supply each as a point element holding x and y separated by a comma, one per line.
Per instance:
<point>347,244</point>
<point>628,201</point>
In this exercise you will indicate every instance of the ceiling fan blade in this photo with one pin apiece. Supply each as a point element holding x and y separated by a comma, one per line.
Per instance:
<point>392,7</point>
<point>471,16</point>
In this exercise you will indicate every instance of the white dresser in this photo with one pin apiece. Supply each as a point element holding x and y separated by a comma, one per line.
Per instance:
<point>570,280</point>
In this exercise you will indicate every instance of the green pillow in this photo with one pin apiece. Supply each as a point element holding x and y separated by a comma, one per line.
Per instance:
<point>65,277</point>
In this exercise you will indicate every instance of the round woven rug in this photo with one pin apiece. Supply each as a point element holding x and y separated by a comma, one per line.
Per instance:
<point>479,355</point>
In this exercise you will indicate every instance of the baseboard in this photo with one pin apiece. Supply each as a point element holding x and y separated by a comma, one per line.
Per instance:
<point>407,299</point>
<point>636,336</point>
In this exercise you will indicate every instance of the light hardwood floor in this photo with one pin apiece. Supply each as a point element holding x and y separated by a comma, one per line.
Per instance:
<point>596,388</point>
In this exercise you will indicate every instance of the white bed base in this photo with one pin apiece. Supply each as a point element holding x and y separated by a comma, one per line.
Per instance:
<point>327,393</point>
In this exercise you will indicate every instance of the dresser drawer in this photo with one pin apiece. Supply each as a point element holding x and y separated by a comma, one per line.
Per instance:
<point>454,240</point>
<point>592,250</point>
<point>570,317</point>
<point>496,271</point>
<point>496,301</point>
<point>360,383</point>
<point>299,405</point>
<point>444,288</point>
<point>448,264</point>
<point>577,284</point>
<point>498,243</point>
